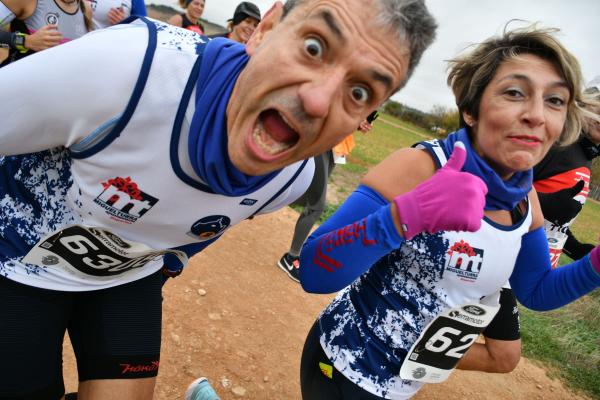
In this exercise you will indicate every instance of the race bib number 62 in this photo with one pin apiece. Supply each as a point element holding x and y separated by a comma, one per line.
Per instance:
<point>444,341</point>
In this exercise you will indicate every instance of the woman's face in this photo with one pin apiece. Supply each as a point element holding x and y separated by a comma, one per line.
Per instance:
<point>242,31</point>
<point>195,9</point>
<point>522,113</point>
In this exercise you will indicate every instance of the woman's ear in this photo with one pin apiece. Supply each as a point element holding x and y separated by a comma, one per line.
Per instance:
<point>468,118</point>
<point>266,25</point>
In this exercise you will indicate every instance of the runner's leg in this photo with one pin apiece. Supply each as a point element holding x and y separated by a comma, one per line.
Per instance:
<point>33,322</point>
<point>314,201</point>
<point>116,336</point>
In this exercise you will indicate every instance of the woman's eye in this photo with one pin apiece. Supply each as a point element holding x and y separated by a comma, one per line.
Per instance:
<point>360,94</point>
<point>556,101</point>
<point>314,47</point>
<point>513,93</point>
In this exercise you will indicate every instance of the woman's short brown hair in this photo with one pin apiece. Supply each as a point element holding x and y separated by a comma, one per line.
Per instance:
<point>471,73</point>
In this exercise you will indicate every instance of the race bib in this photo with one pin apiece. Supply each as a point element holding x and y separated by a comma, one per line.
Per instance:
<point>93,253</point>
<point>444,341</point>
<point>557,238</point>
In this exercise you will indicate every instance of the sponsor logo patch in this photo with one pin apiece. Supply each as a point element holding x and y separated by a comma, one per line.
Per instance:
<point>123,200</point>
<point>465,261</point>
<point>209,227</point>
<point>474,310</point>
<point>326,369</point>
<point>132,369</point>
<point>248,202</point>
<point>52,18</point>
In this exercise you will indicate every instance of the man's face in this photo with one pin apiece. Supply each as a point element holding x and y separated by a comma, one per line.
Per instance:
<point>311,79</point>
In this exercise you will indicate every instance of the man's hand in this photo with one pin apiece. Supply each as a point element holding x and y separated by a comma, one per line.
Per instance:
<point>44,38</point>
<point>116,15</point>
<point>561,207</point>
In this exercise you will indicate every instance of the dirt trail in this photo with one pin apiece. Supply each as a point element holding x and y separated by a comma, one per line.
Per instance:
<point>234,317</point>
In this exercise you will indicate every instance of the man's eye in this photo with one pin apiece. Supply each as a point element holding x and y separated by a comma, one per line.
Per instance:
<point>360,94</point>
<point>314,47</point>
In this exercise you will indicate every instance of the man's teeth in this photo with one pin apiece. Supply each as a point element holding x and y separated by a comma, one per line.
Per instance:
<point>285,120</point>
<point>266,142</point>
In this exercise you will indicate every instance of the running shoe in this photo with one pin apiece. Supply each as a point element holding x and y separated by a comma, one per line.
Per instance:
<point>291,265</point>
<point>200,389</point>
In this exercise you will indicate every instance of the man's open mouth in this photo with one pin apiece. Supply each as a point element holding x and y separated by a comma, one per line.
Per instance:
<point>273,134</point>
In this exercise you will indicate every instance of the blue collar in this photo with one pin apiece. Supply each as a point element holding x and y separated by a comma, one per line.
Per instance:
<point>222,62</point>
<point>502,195</point>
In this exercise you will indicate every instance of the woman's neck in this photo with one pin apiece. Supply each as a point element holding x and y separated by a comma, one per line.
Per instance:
<point>69,6</point>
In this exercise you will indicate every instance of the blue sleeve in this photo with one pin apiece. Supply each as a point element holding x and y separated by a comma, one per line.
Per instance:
<point>359,233</point>
<point>138,7</point>
<point>539,287</point>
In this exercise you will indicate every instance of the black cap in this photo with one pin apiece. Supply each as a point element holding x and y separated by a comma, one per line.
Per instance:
<point>243,10</point>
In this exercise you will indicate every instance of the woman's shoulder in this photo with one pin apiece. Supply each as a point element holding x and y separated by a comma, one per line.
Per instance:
<point>400,172</point>
<point>537,218</point>
<point>176,20</point>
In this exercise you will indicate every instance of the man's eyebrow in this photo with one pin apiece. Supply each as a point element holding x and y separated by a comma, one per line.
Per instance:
<point>383,78</point>
<point>332,24</point>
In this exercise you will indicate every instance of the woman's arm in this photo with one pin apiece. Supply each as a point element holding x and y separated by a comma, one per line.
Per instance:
<point>21,9</point>
<point>359,233</point>
<point>367,226</point>
<point>539,287</point>
<point>364,223</point>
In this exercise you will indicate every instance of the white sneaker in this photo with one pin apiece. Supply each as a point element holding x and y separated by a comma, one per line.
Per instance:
<point>200,389</point>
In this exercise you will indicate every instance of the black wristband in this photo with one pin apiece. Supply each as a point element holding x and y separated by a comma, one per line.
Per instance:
<point>6,39</point>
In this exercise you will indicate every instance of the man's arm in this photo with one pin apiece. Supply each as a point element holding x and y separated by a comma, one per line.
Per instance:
<point>59,96</point>
<point>138,7</point>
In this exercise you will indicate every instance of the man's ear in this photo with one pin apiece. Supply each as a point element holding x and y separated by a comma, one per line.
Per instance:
<point>269,21</point>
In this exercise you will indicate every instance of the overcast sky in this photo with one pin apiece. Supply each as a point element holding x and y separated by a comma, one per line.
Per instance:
<point>463,22</point>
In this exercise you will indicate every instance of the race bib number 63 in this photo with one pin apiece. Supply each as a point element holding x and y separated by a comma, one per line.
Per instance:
<point>93,252</point>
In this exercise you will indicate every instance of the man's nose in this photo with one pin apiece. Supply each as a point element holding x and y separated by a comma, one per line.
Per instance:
<point>318,94</point>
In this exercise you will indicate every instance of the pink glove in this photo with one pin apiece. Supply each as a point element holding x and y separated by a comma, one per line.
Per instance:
<point>595,258</point>
<point>450,200</point>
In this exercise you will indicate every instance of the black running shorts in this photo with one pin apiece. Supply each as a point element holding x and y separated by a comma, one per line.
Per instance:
<point>115,334</point>
<point>505,325</point>
<point>319,380</point>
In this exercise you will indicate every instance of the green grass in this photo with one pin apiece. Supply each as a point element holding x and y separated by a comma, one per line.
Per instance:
<point>566,340</point>
<point>383,139</point>
<point>585,227</point>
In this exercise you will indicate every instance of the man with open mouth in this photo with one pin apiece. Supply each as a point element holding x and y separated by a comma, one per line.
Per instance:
<point>110,183</point>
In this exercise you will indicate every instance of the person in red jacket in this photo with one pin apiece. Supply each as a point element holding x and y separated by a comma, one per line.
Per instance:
<point>190,19</point>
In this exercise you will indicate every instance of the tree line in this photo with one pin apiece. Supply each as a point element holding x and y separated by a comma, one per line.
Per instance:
<point>440,120</point>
